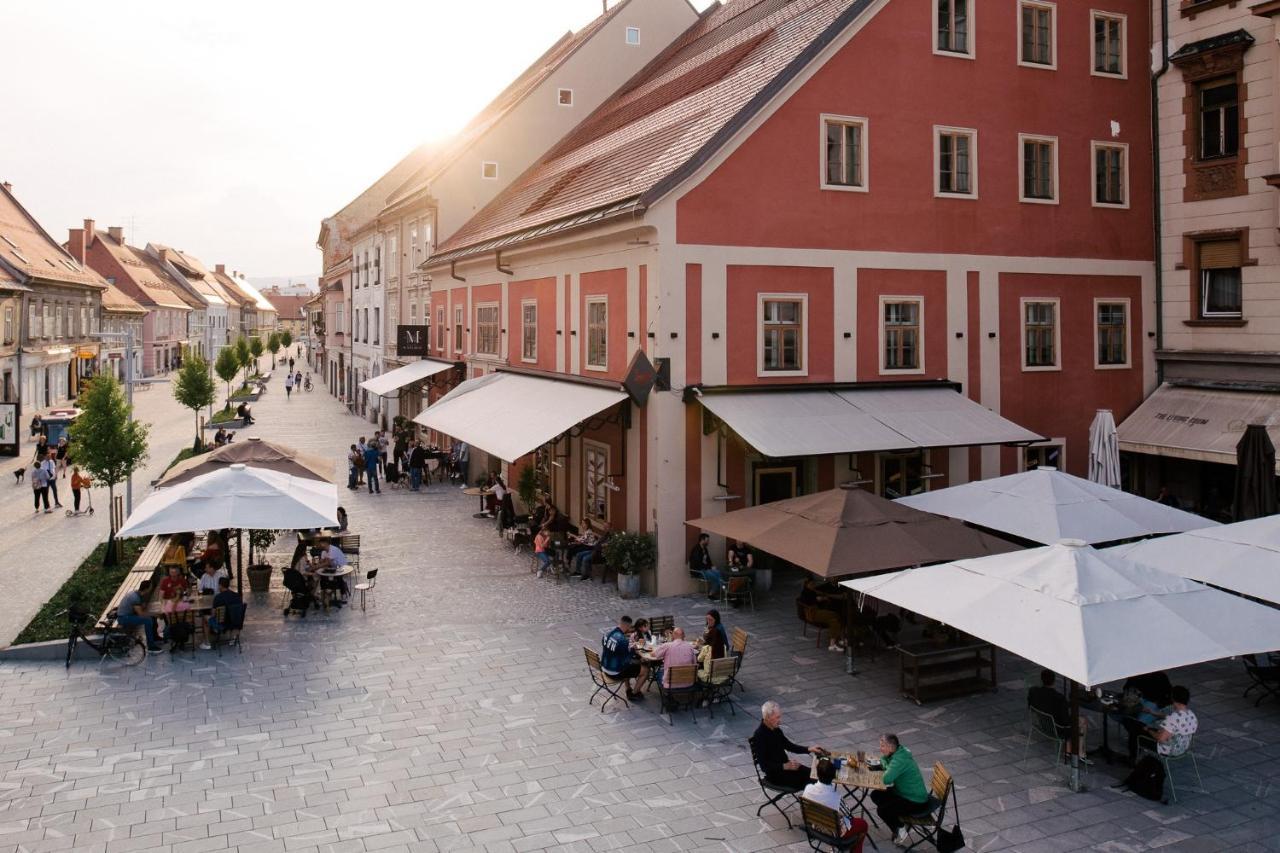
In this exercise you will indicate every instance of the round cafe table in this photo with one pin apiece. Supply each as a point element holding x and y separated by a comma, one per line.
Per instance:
<point>476,491</point>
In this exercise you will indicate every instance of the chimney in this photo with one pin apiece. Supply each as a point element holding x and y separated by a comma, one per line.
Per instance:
<point>221,269</point>
<point>89,233</point>
<point>75,243</point>
<point>8,187</point>
<point>117,233</point>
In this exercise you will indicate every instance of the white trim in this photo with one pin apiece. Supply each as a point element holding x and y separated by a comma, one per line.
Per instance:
<point>1094,145</point>
<point>476,308</point>
<point>1094,14</point>
<point>1057,334</point>
<point>1059,442</point>
<point>1052,65</point>
<point>938,131</point>
<point>1128,329</point>
<point>560,100</point>
<point>627,36</point>
<point>587,446</point>
<point>484,167</point>
<point>802,350</point>
<point>587,302</point>
<point>972,52</point>
<point>524,303</point>
<point>864,172</point>
<point>459,346</point>
<point>920,348</point>
<point>1023,139</point>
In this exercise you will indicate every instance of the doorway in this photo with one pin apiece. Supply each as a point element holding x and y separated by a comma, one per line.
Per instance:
<point>775,484</point>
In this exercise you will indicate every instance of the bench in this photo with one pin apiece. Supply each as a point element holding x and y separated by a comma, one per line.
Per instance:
<point>148,567</point>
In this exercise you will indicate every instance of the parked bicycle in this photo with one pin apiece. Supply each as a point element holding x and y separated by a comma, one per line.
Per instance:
<point>115,643</point>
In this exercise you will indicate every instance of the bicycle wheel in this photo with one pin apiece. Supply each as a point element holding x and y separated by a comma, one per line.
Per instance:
<point>125,649</point>
<point>71,649</point>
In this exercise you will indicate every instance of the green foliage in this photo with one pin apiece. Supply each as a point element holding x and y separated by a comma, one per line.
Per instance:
<point>273,344</point>
<point>255,350</point>
<point>91,587</point>
<point>629,553</point>
<point>227,366</point>
<point>184,454</point>
<point>527,486</point>
<point>286,338</point>
<point>261,540</point>
<point>224,416</point>
<point>104,440</point>
<point>244,356</point>
<point>194,387</point>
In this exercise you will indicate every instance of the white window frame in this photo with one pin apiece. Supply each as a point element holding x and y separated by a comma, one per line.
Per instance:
<point>484,168</point>
<point>524,329</point>
<point>973,31</point>
<point>459,330</point>
<point>1094,15</point>
<point>1052,65</point>
<point>497,329</point>
<point>560,97</point>
<point>1057,335</point>
<point>864,171</point>
<point>1059,442</point>
<point>803,351</point>
<point>906,371</point>
<point>938,131</point>
<point>1023,139</point>
<point>442,336</point>
<point>628,36</point>
<point>1094,145</point>
<point>1128,332</point>
<point>586,332</point>
<point>601,489</point>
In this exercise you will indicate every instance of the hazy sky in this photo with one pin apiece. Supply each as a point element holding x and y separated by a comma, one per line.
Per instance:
<point>230,129</point>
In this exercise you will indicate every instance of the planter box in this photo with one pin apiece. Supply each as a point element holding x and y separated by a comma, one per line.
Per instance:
<point>629,586</point>
<point>259,578</point>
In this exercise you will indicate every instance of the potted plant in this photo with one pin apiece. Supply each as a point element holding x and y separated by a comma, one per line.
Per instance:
<point>527,487</point>
<point>627,554</point>
<point>260,573</point>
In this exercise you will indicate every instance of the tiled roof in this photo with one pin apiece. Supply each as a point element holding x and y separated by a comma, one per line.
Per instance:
<point>150,279</point>
<point>664,122</point>
<point>30,252</point>
<point>230,291</point>
<point>161,276</point>
<point>196,273</point>
<point>288,306</point>
<point>117,301</point>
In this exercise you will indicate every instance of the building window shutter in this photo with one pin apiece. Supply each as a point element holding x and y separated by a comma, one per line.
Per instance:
<point>1220,254</point>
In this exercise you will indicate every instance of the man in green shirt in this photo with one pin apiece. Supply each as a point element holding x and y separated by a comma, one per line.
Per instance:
<point>905,794</point>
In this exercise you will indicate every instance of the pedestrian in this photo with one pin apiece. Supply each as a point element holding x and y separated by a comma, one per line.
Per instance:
<point>361,447</point>
<point>62,449</point>
<point>42,447</point>
<point>382,451</point>
<point>297,379</point>
<point>371,457</point>
<point>417,461</point>
<point>50,466</point>
<point>39,487</point>
<point>288,386</point>
<point>78,482</point>
<point>291,365</point>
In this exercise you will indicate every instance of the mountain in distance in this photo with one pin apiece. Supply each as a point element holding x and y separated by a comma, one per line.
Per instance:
<point>307,282</point>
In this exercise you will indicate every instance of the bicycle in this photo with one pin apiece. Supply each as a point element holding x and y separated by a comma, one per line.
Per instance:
<point>115,643</point>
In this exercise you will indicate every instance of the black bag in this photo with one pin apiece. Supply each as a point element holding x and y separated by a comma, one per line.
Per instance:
<point>179,633</point>
<point>1147,779</point>
<point>950,840</point>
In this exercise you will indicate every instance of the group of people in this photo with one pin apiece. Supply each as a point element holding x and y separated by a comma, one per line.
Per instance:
<point>740,562</point>
<point>186,575</point>
<point>394,457</point>
<point>582,546</point>
<point>293,380</point>
<point>621,655</point>
<point>312,573</point>
<point>49,464</point>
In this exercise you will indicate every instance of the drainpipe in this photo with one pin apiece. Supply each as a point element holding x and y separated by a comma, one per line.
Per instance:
<point>1158,219</point>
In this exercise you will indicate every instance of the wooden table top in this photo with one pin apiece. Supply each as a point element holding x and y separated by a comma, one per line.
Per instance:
<point>851,777</point>
<point>199,604</point>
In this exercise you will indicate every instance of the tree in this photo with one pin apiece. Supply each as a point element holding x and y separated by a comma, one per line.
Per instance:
<point>106,441</point>
<point>194,387</point>
<point>255,349</point>
<point>243,356</point>
<point>227,366</point>
<point>273,344</point>
<point>286,338</point>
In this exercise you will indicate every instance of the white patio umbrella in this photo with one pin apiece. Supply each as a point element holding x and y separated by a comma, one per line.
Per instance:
<point>1104,450</point>
<point>1048,505</point>
<point>1243,557</point>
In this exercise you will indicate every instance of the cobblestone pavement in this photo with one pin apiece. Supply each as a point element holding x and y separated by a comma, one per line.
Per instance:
<point>453,715</point>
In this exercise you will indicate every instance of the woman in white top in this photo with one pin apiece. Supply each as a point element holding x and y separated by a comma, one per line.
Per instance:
<point>824,792</point>
<point>209,580</point>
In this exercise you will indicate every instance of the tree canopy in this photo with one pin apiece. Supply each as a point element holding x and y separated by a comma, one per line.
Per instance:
<point>194,387</point>
<point>105,440</point>
<point>227,366</point>
<point>286,338</point>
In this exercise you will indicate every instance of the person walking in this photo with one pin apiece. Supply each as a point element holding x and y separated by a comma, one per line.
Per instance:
<point>50,466</point>
<point>39,487</point>
<point>288,386</point>
<point>354,462</point>
<point>371,457</point>
<point>361,447</point>
<point>78,483</point>
<point>417,462</point>
<point>62,450</point>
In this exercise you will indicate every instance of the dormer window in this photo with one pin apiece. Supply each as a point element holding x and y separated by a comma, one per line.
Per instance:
<point>489,170</point>
<point>565,97</point>
<point>633,35</point>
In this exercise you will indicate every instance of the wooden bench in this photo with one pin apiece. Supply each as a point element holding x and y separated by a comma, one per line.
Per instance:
<point>148,567</point>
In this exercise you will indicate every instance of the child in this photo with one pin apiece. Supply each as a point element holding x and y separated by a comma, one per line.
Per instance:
<point>78,481</point>
<point>540,544</point>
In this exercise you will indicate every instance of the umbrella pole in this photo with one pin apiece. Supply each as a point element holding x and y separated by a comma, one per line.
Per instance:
<point>1076,784</point>
<point>240,562</point>
<point>849,668</point>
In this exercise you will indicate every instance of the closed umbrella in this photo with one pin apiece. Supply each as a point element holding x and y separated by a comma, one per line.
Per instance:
<point>1255,474</point>
<point>1104,450</point>
<point>255,453</point>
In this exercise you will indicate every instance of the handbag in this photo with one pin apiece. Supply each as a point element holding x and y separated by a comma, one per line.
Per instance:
<point>951,840</point>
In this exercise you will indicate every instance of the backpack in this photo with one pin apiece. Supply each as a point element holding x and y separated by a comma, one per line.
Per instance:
<point>1147,779</point>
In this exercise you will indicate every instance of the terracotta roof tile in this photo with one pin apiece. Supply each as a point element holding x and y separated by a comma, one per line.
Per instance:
<point>288,306</point>
<point>29,250</point>
<point>149,279</point>
<point>116,300</point>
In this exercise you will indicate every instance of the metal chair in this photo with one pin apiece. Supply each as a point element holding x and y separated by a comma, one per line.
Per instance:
<point>366,586</point>
<point>1149,746</point>
<point>773,792</point>
<point>1042,724</point>
<point>350,545</point>
<point>717,687</point>
<point>822,828</point>
<point>1263,677</point>
<point>680,690</point>
<point>925,824</point>
<point>603,680</point>
<point>739,589</point>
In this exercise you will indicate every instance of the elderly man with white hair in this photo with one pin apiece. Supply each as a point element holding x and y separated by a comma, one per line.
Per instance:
<point>772,747</point>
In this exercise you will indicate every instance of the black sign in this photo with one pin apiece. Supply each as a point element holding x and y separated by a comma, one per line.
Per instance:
<point>639,379</point>
<point>411,340</point>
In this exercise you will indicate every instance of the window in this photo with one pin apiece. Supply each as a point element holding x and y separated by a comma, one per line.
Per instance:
<point>413,313</point>
<point>1221,286</point>
<point>1047,454</point>
<point>1108,44</point>
<point>956,151</point>
<point>489,170</point>
<point>8,324</point>
<point>1040,334</point>
<point>366,269</point>
<point>595,480</point>
<point>844,153</point>
<point>1110,174</point>
<point>1039,169</point>
<point>377,325</point>
<point>902,474</point>
<point>377,265</point>
<point>487,329</point>
<point>782,334</point>
<point>366,325</point>
<point>442,331</point>
<point>901,334</point>
<point>529,330</point>
<point>393,257</point>
<point>48,330</point>
<point>633,35</point>
<point>339,326</point>
<point>457,328</point>
<point>1039,31</point>
<point>33,321</point>
<point>1113,332</point>
<point>597,333</point>
<point>564,97</point>
<point>1219,109</point>
<point>952,25</point>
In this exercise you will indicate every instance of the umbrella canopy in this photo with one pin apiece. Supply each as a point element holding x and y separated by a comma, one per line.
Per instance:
<point>1255,474</point>
<point>1243,557</point>
<point>1104,450</point>
<point>1090,615</point>
<point>255,453</point>
<point>1047,505</point>
<point>851,531</point>
<point>236,497</point>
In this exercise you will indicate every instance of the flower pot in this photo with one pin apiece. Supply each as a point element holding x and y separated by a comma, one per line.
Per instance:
<point>629,586</point>
<point>259,578</point>
<point>763,580</point>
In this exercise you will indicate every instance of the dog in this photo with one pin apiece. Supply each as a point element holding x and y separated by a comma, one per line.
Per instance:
<point>20,475</point>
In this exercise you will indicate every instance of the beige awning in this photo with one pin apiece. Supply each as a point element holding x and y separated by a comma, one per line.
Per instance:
<point>1201,424</point>
<point>393,380</point>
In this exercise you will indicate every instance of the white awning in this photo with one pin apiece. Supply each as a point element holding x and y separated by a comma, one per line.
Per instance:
<point>393,380</point>
<point>811,423</point>
<point>1201,424</point>
<point>509,415</point>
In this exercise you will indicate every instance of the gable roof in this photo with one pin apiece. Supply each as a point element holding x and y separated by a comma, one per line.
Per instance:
<point>117,301</point>
<point>29,252</point>
<point>662,125</point>
<point>230,291</point>
<point>148,278</point>
<point>196,274</point>
<point>288,306</point>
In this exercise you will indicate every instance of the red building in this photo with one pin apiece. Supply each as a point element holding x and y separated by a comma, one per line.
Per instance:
<point>820,219</point>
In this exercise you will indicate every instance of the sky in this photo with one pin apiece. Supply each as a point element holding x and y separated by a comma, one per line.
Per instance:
<point>231,129</point>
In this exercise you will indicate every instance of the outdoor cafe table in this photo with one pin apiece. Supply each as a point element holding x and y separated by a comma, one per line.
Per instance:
<point>857,780</point>
<point>199,605</point>
<point>330,574</point>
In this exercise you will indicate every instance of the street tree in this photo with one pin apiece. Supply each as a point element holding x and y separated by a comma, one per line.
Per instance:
<point>255,349</point>
<point>227,366</point>
<point>106,441</point>
<point>194,388</point>
<point>286,338</point>
<point>243,356</point>
<point>273,344</point>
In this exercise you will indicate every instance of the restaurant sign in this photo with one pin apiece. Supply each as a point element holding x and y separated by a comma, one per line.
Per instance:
<point>640,377</point>
<point>8,429</point>
<point>411,341</point>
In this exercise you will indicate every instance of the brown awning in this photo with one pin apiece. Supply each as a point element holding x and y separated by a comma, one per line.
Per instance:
<point>255,453</point>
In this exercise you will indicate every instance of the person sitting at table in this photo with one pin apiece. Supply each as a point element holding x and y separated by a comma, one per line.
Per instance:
<point>675,652</point>
<point>824,792</point>
<point>331,559</point>
<point>208,583</point>
<point>172,589</point>
<point>700,565</point>
<point>1153,692</point>
<point>715,636</point>
<point>1173,735</point>
<point>904,792</point>
<point>617,660</point>
<point>224,597</point>
<point>822,603</point>
<point>244,414</point>
<point>741,559</point>
<point>133,611</point>
<point>212,553</point>
<point>640,633</point>
<point>1047,699</point>
<point>772,747</point>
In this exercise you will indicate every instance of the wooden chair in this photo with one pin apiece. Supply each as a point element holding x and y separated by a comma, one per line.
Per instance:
<point>681,690</point>
<point>822,827</point>
<point>231,621</point>
<point>350,545</point>
<point>925,824</point>
<point>738,651</point>
<point>603,681</point>
<point>738,589</point>
<point>717,687</point>
<point>773,792</point>
<point>659,625</point>
<point>365,587</point>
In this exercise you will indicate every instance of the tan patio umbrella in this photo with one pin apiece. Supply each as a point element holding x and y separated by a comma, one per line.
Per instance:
<point>253,453</point>
<point>851,532</point>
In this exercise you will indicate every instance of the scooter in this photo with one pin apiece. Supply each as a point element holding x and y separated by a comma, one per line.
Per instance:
<point>71,513</point>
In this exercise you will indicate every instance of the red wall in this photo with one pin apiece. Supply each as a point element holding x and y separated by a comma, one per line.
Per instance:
<point>929,284</point>
<point>693,323</point>
<point>744,284</point>
<point>613,284</point>
<point>767,192</point>
<point>543,291</point>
